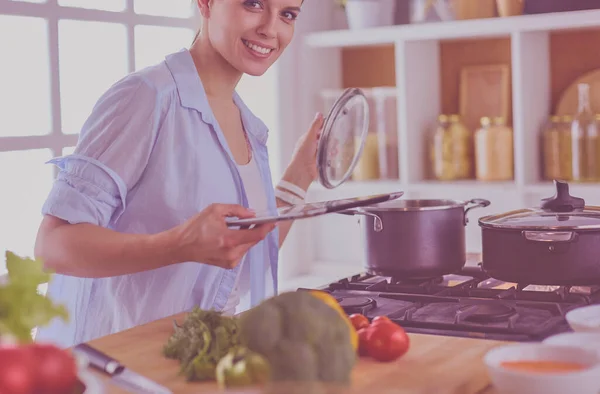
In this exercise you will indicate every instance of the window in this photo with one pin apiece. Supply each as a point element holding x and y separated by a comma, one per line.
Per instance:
<point>60,57</point>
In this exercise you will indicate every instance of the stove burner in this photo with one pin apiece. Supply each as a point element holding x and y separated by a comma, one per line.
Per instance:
<point>357,304</point>
<point>467,303</point>
<point>416,281</point>
<point>490,313</point>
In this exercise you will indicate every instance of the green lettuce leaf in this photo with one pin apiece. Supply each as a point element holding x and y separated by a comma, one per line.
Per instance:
<point>22,307</point>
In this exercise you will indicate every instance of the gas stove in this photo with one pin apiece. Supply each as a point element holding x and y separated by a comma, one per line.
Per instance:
<point>465,304</point>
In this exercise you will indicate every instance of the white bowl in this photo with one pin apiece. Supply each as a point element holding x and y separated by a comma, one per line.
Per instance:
<point>585,319</point>
<point>586,340</point>
<point>510,381</point>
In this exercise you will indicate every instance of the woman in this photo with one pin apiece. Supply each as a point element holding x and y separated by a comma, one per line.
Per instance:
<point>135,223</point>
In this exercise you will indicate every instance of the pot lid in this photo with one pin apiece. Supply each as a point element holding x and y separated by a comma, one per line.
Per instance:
<point>343,138</point>
<point>560,212</point>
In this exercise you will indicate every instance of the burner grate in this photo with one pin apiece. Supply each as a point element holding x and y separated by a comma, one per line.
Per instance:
<point>466,304</point>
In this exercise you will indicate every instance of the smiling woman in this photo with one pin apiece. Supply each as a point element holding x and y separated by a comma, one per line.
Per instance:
<point>252,35</point>
<point>135,223</point>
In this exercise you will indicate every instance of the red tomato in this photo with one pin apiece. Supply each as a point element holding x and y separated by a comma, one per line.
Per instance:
<point>56,370</point>
<point>363,344</point>
<point>359,321</point>
<point>387,342</point>
<point>17,370</point>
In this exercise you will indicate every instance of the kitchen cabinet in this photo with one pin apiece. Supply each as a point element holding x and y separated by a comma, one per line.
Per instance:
<point>544,54</point>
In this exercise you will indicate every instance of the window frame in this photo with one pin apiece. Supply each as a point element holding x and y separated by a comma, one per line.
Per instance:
<point>52,12</point>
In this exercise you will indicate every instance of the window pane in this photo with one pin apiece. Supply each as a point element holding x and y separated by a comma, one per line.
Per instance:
<point>20,205</point>
<point>153,43</point>
<point>105,5</point>
<point>68,150</point>
<point>25,106</point>
<point>93,56</point>
<point>171,8</point>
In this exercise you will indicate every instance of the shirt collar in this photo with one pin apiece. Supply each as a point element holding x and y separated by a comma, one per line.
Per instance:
<point>192,95</point>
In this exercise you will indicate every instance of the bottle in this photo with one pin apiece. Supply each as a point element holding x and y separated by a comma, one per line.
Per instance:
<point>584,140</point>
<point>494,150</point>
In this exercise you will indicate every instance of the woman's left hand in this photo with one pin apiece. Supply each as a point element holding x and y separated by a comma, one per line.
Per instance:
<point>302,170</point>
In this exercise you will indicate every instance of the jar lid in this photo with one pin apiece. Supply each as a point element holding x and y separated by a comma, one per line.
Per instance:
<point>560,212</point>
<point>343,138</point>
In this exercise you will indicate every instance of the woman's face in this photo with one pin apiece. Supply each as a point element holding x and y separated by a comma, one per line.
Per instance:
<point>250,34</point>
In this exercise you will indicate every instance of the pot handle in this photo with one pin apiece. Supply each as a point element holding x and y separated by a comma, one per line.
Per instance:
<point>550,236</point>
<point>479,203</point>
<point>377,222</point>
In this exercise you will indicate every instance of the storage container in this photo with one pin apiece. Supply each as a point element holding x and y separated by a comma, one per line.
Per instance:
<point>452,149</point>
<point>494,150</point>
<point>387,131</point>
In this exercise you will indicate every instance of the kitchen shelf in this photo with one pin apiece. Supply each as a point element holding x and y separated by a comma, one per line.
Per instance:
<point>574,188</point>
<point>426,189</point>
<point>465,184</point>
<point>477,28</point>
<point>414,60</point>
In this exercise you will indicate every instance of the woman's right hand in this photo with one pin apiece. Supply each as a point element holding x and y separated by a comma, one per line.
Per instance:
<point>206,238</point>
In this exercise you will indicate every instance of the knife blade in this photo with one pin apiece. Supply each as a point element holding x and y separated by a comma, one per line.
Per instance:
<point>120,375</point>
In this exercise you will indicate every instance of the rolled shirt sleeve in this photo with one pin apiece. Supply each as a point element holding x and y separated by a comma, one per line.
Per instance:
<point>112,152</point>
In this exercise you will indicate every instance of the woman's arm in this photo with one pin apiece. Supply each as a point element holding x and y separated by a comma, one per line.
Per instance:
<point>88,250</point>
<point>302,170</point>
<point>301,180</point>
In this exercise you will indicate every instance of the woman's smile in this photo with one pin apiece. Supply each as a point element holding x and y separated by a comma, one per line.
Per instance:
<point>258,49</point>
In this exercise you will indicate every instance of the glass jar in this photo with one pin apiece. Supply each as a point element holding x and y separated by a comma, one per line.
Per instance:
<point>387,131</point>
<point>452,149</point>
<point>584,140</point>
<point>550,144</point>
<point>367,167</point>
<point>564,133</point>
<point>494,150</point>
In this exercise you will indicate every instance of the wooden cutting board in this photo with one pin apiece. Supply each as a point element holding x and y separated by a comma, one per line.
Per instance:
<point>434,364</point>
<point>569,100</point>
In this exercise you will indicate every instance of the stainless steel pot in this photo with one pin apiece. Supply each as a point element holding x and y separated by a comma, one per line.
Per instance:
<point>416,238</point>
<point>555,244</point>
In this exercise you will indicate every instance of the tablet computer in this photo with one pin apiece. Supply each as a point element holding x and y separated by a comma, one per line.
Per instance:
<point>308,210</point>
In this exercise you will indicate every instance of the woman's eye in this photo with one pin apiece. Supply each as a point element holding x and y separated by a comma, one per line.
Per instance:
<point>253,4</point>
<point>290,15</point>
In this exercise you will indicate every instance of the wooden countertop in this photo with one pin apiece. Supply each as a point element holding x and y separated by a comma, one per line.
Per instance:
<point>434,364</point>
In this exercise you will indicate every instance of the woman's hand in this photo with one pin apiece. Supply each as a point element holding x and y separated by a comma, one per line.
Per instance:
<point>206,238</point>
<point>302,170</point>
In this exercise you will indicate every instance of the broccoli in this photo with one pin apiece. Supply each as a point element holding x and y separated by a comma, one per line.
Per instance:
<point>303,339</point>
<point>200,342</point>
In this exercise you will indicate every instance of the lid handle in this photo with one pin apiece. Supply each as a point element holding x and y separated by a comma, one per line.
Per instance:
<point>562,201</point>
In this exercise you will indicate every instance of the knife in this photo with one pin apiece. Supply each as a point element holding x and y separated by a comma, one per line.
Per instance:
<point>120,375</point>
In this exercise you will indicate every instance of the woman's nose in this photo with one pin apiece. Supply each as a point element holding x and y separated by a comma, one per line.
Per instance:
<point>268,25</point>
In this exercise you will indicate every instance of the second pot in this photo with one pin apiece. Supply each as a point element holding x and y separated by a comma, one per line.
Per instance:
<point>415,239</point>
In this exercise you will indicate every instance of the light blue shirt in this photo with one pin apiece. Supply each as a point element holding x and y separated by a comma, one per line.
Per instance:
<point>150,156</point>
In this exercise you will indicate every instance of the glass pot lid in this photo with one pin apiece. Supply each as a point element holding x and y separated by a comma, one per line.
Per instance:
<point>560,212</point>
<point>343,138</point>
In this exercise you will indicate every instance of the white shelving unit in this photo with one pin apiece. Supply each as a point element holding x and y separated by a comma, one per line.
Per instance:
<point>337,239</point>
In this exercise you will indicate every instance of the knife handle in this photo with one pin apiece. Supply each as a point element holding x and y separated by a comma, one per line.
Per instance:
<point>98,359</point>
